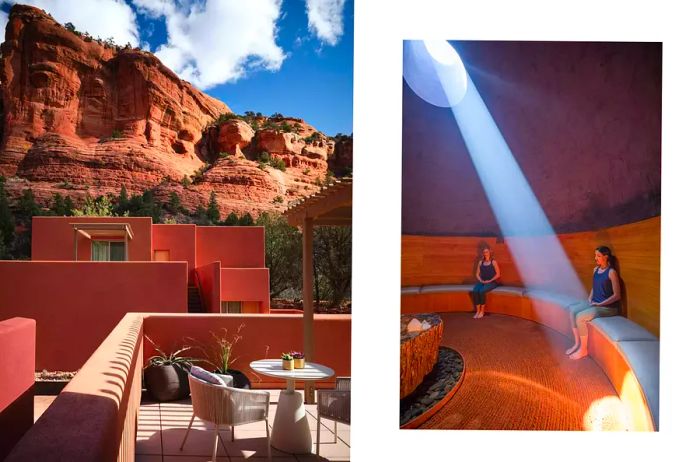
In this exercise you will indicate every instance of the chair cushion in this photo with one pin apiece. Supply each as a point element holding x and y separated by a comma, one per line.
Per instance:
<point>410,290</point>
<point>206,376</point>
<point>618,329</point>
<point>510,290</point>
<point>444,288</point>
<point>561,299</point>
<point>643,358</point>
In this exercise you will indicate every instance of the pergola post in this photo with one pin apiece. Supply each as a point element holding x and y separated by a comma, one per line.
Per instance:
<point>307,289</point>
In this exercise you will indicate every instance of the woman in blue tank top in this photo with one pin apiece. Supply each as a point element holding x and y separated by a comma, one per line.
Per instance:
<point>602,301</point>
<point>487,273</point>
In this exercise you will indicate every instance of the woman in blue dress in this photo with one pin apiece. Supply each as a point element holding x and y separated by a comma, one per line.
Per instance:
<point>602,301</point>
<point>487,273</point>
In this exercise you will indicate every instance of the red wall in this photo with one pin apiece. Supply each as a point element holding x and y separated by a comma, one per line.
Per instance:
<point>180,241</point>
<point>263,336</point>
<point>210,286</point>
<point>582,119</point>
<point>52,238</point>
<point>246,284</point>
<point>17,344</point>
<point>76,304</point>
<point>233,246</point>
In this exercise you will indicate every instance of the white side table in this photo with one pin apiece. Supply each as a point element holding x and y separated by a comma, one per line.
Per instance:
<point>290,429</point>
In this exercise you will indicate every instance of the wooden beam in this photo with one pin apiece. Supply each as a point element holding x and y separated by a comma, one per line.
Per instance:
<point>307,291</point>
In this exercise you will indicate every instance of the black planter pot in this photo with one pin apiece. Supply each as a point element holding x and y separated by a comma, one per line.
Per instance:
<point>166,383</point>
<point>239,379</point>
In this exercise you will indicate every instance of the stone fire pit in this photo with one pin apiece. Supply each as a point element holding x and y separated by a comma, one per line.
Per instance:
<point>419,349</point>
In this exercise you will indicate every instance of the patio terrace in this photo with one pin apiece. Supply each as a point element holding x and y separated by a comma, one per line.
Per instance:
<point>112,423</point>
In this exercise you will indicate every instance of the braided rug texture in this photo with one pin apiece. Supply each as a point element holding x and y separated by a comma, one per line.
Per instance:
<point>517,377</point>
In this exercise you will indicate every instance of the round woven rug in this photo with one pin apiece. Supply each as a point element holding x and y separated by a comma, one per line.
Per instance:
<point>517,377</point>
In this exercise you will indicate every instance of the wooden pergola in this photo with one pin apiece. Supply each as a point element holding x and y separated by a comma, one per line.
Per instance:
<point>97,230</point>
<point>331,206</point>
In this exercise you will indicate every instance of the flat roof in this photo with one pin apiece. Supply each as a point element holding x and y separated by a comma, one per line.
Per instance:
<point>91,230</point>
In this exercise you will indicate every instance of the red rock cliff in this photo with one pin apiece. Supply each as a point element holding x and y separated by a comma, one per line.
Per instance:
<point>78,115</point>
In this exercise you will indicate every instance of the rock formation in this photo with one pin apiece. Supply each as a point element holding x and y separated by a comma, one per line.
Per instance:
<point>80,115</point>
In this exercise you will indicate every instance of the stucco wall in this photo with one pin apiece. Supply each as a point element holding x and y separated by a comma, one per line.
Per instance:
<point>76,304</point>
<point>17,344</point>
<point>583,121</point>
<point>180,241</point>
<point>53,238</point>
<point>233,246</point>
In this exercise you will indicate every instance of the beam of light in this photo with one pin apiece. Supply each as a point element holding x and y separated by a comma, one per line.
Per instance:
<point>426,64</point>
<point>536,250</point>
<point>607,414</point>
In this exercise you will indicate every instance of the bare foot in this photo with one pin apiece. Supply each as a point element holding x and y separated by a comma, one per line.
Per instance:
<point>580,353</point>
<point>572,349</point>
<point>476,315</point>
<point>481,314</point>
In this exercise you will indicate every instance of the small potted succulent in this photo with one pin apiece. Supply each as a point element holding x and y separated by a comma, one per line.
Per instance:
<point>287,361</point>
<point>165,375</point>
<point>298,359</point>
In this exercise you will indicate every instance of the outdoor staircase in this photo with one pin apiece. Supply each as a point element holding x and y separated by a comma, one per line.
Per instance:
<point>194,302</point>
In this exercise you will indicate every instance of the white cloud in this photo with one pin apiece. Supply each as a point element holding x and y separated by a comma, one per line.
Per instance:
<point>326,19</point>
<point>3,22</point>
<point>217,41</point>
<point>103,18</point>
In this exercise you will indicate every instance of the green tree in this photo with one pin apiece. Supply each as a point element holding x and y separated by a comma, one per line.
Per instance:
<point>333,263</point>
<point>246,220</point>
<point>231,220</point>
<point>213,212</point>
<point>282,254</point>
<point>68,203</point>
<point>200,216</point>
<point>27,206</point>
<point>99,207</point>
<point>122,202</point>
<point>174,204</point>
<point>7,220</point>
<point>59,206</point>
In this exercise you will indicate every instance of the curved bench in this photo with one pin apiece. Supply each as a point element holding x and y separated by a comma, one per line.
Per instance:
<point>626,352</point>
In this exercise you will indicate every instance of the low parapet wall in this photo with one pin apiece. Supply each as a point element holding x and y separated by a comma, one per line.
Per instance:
<point>17,337</point>
<point>94,417</point>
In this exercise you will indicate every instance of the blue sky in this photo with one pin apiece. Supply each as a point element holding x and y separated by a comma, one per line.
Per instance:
<point>289,56</point>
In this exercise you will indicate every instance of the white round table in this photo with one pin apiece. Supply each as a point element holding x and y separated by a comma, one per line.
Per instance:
<point>290,430</point>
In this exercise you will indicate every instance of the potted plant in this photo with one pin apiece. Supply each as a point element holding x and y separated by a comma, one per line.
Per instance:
<point>287,362</point>
<point>165,375</point>
<point>220,356</point>
<point>299,360</point>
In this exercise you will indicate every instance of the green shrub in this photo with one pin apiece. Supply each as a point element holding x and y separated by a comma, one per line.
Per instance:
<point>264,157</point>
<point>278,200</point>
<point>278,163</point>
<point>117,134</point>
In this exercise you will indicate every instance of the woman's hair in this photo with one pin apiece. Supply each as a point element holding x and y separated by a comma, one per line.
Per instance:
<point>487,247</point>
<point>605,250</point>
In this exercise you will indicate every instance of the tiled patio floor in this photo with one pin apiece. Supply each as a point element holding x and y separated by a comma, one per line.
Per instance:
<point>162,426</point>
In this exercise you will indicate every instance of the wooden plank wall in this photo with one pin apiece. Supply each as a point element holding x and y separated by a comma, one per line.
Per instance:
<point>429,260</point>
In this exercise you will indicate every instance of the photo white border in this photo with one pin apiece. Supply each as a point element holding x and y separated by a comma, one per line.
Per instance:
<point>380,28</point>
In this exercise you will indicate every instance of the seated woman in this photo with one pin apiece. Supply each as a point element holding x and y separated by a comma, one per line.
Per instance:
<point>487,273</point>
<point>602,301</point>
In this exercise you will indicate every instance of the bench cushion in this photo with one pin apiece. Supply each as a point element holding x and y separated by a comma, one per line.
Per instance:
<point>618,329</point>
<point>511,290</point>
<point>560,299</point>
<point>410,290</point>
<point>443,288</point>
<point>643,358</point>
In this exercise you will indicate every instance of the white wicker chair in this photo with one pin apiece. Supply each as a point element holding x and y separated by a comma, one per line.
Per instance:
<point>333,405</point>
<point>222,405</point>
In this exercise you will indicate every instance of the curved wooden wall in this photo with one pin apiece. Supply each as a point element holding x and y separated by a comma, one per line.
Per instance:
<point>427,260</point>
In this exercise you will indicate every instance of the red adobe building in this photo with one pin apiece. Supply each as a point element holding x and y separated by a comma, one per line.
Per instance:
<point>86,273</point>
<point>225,264</point>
